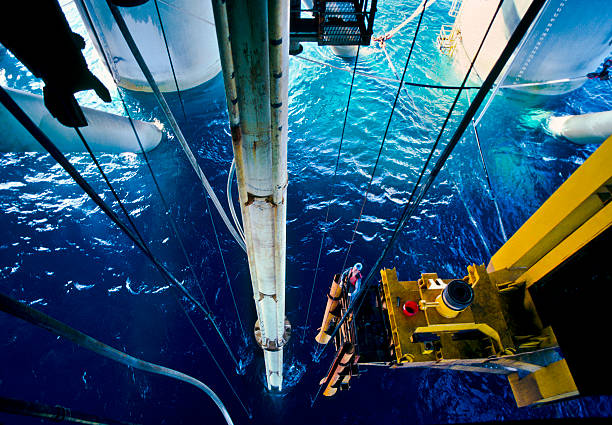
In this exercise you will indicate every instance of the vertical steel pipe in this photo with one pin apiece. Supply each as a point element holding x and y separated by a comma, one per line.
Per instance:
<point>255,68</point>
<point>278,31</point>
<point>227,63</point>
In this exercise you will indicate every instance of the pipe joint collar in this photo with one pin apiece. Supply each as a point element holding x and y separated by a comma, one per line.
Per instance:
<point>269,344</point>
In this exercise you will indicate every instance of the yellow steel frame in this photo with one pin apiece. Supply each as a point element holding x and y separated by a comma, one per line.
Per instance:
<point>549,383</point>
<point>575,214</point>
<point>578,239</point>
<point>572,216</point>
<point>457,327</point>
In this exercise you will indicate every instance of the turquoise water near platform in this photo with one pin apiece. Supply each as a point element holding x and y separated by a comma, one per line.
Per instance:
<point>63,256</point>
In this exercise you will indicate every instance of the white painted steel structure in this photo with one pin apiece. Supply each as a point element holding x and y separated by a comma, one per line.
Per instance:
<point>190,32</point>
<point>595,127</point>
<point>570,39</point>
<point>105,132</point>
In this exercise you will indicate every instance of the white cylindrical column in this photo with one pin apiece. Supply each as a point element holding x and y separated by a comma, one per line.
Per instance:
<point>582,129</point>
<point>105,132</point>
<point>259,47</point>
<point>190,31</point>
<point>569,40</point>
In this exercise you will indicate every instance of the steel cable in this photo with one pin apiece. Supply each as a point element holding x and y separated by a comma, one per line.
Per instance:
<point>163,31</point>
<point>399,88</point>
<point>212,221</point>
<point>171,120</point>
<point>170,218</point>
<point>314,279</point>
<point>214,359</point>
<point>382,143</point>
<point>169,283</point>
<point>146,158</point>
<point>523,26</point>
<point>486,173</point>
<point>50,147</point>
<point>167,209</point>
<point>392,80</point>
<point>227,278</point>
<point>110,186</point>
<point>230,202</point>
<point>247,411</point>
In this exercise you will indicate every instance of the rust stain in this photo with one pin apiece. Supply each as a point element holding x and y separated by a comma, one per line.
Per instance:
<point>236,136</point>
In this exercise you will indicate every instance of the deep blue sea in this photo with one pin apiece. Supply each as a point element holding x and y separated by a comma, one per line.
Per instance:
<point>62,255</point>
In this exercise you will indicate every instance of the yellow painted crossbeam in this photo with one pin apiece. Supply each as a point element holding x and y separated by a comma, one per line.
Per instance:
<point>574,242</point>
<point>457,327</point>
<point>574,204</point>
<point>549,383</point>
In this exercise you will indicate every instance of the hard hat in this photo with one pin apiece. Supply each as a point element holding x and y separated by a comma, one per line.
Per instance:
<point>357,266</point>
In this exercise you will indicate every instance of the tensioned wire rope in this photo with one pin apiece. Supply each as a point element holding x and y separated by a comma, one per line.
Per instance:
<point>379,77</point>
<point>375,165</point>
<point>175,231</point>
<point>134,235</point>
<point>171,120</point>
<point>146,157</point>
<point>206,346</point>
<point>524,24</point>
<point>163,31</point>
<point>214,359</point>
<point>440,86</point>
<point>346,110</point>
<point>110,187</point>
<point>155,180</point>
<point>488,179</point>
<point>212,221</point>
<point>121,205</point>
<point>382,143</point>
<point>50,147</point>
<point>318,352</point>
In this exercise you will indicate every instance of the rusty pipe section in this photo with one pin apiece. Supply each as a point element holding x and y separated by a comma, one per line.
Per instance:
<point>332,314</point>
<point>253,38</point>
<point>227,63</point>
<point>248,27</point>
<point>340,372</point>
<point>279,93</point>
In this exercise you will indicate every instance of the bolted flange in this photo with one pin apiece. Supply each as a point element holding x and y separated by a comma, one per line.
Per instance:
<point>272,344</point>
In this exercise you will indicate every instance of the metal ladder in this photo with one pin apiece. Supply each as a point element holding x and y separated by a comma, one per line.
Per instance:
<point>447,40</point>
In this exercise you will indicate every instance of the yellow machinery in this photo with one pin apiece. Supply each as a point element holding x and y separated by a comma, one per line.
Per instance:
<point>538,312</point>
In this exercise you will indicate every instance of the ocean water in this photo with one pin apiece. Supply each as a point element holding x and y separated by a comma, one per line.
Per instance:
<point>60,253</point>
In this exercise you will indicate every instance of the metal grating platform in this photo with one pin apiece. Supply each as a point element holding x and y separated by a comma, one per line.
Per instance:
<point>336,23</point>
<point>341,23</point>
